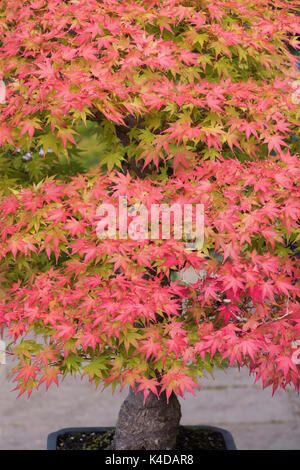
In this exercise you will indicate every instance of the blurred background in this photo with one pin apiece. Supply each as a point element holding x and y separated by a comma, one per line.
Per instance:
<point>230,400</point>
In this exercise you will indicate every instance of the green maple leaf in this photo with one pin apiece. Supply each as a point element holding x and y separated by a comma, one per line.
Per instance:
<point>72,363</point>
<point>50,142</point>
<point>112,159</point>
<point>95,367</point>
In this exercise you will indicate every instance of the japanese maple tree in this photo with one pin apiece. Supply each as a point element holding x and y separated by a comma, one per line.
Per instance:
<point>161,101</point>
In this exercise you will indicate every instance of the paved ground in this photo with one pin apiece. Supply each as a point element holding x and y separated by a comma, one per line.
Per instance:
<point>255,418</point>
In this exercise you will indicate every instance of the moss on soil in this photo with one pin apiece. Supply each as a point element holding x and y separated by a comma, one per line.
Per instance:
<point>189,439</point>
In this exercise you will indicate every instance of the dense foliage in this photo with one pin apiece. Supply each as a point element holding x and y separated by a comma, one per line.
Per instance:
<point>159,101</point>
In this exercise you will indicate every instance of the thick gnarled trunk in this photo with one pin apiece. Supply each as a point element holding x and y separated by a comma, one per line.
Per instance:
<point>150,426</point>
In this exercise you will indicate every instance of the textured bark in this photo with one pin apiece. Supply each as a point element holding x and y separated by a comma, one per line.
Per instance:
<point>150,426</point>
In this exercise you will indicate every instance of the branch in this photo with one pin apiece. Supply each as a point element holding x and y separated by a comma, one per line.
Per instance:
<point>267,321</point>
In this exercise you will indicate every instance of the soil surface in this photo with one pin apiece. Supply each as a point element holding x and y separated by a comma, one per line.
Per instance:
<point>189,439</point>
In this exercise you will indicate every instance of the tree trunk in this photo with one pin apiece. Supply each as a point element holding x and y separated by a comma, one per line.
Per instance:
<point>150,426</point>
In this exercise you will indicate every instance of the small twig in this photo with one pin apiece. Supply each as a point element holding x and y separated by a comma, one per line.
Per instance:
<point>237,316</point>
<point>276,319</point>
<point>265,322</point>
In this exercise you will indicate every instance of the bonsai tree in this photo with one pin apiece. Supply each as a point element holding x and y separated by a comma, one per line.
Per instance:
<point>182,103</point>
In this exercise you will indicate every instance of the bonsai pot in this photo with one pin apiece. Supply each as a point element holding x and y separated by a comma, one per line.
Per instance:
<point>79,438</point>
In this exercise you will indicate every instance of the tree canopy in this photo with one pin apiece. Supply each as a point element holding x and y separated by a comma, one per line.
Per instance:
<point>180,102</point>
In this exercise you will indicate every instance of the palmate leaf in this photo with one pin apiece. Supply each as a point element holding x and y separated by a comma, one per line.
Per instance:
<point>96,367</point>
<point>112,159</point>
<point>96,145</point>
<point>91,144</point>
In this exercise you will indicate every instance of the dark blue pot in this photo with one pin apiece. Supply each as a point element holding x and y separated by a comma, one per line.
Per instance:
<point>53,436</point>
